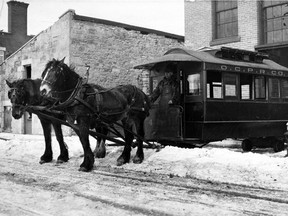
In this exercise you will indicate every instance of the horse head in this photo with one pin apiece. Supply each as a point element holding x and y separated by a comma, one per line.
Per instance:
<point>18,97</point>
<point>58,80</point>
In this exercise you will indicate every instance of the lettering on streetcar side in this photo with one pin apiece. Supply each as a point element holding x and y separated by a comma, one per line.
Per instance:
<point>243,69</point>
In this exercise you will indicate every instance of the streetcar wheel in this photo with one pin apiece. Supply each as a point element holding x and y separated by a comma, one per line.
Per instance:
<point>278,146</point>
<point>247,145</point>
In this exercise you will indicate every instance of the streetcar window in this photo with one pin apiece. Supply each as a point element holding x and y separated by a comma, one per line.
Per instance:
<point>214,85</point>
<point>274,88</point>
<point>246,82</point>
<point>284,89</point>
<point>230,85</point>
<point>194,84</point>
<point>260,87</point>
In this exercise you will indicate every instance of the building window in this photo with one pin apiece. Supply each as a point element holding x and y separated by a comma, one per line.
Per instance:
<point>226,19</point>
<point>275,21</point>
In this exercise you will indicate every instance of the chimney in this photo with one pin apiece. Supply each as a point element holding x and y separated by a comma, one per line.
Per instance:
<point>17,17</point>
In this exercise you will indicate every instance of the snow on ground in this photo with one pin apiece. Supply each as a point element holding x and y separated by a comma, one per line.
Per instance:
<point>223,161</point>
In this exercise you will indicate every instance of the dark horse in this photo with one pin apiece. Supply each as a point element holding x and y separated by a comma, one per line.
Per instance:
<point>25,92</point>
<point>88,106</point>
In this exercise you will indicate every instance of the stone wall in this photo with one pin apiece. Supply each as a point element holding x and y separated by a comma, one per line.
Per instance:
<point>113,51</point>
<point>110,50</point>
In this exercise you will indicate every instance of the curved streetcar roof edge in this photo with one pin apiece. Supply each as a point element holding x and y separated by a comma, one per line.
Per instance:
<point>186,55</point>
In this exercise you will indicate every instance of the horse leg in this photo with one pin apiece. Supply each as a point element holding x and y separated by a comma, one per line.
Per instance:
<point>64,155</point>
<point>100,149</point>
<point>125,156</point>
<point>48,155</point>
<point>88,162</point>
<point>139,157</point>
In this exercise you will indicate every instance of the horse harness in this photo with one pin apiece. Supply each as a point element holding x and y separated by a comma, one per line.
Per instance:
<point>80,94</point>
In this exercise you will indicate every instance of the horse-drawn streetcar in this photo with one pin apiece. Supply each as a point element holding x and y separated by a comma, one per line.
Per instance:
<point>226,93</point>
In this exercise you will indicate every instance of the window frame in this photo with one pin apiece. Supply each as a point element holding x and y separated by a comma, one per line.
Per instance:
<point>210,92</point>
<point>284,99</point>
<point>199,83</point>
<point>269,22</point>
<point>225,85</point>
<point>231,37</point>
<point>271,88</point>
<point>265,88</point>
<point>251,86</point>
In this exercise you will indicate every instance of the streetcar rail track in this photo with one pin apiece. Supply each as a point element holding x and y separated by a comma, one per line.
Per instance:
<point>191,185</point>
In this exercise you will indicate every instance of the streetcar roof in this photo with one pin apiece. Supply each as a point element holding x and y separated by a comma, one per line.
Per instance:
<point>185,55</point>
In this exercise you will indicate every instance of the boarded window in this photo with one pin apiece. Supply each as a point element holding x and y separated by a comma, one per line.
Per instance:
<point>260,87</point>
<point>274,88</point>
<point>284,89</point>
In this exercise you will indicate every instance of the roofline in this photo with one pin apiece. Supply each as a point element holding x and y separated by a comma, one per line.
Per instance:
<point>142,30</point>
<point>129,27</point>
<point>19,49</point>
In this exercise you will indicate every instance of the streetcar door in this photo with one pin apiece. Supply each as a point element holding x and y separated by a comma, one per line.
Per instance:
<point>163,123</point>
<point>193,106</point>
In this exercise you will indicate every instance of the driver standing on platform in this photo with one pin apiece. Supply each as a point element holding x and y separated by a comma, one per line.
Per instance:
<point>167,89</point>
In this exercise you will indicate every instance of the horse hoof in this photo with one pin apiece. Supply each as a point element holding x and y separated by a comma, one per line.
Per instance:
<point>137,160</point>
<point>100,155</point>
<point>286,155</point>
<point>60,161</point>
<point>43,161</point>
<point>120,162</point>
<point>83,169</point>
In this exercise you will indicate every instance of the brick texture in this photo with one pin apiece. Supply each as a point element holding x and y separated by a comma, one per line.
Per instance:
<point>198,24</point>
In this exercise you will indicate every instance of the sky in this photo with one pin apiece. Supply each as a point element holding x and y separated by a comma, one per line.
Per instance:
<point>162,15</point>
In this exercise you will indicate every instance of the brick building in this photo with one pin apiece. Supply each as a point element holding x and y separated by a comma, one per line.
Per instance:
<point>17,29</point>
<point>110,48</point>
<point>244,24</point>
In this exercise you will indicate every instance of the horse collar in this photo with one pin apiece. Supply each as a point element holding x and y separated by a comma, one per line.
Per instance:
<point>71,99</point>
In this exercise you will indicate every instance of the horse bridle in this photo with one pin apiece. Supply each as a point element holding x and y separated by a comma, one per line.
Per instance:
<point>61,92</point>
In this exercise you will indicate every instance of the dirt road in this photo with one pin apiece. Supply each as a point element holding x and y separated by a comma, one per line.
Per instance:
<point>32,189</point>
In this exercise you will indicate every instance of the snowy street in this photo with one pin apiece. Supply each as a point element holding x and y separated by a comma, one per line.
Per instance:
<point>214,180</point>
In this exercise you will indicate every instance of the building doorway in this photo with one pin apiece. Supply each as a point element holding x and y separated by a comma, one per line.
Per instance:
<point>7,119</point>
<point>27,116</point>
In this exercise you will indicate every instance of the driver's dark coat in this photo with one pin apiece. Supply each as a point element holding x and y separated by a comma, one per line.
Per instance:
<point>167,89</point>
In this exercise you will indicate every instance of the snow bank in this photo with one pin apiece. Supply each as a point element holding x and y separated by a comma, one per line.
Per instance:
<point>223,161</point>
